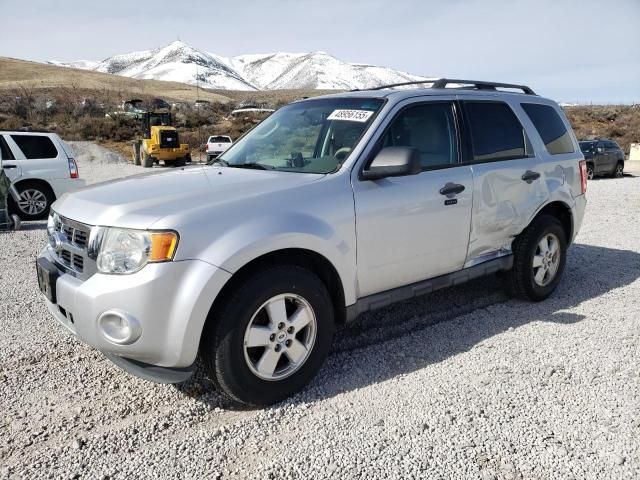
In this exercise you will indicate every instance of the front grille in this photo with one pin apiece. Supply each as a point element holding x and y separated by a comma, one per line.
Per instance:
<point>68,242</point>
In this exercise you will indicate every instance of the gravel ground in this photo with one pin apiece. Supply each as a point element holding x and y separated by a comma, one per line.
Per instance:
<point>464,383</point>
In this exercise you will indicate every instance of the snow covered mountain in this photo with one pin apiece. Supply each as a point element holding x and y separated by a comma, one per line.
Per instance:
<point>179,62</point>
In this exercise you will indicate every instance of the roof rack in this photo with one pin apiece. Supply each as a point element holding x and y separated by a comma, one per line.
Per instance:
<point>473,84</point>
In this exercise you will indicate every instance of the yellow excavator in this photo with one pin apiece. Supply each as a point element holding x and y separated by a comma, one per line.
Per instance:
<point>160,143</point>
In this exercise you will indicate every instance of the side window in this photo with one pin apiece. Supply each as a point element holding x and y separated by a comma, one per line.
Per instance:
<point>5,151</point>
<point>35,146</point>
<point>496,133</point>
<point>551,128</point>
<point>429,128</point>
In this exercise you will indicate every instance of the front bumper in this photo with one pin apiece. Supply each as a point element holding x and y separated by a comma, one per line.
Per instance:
<point>169,301</point>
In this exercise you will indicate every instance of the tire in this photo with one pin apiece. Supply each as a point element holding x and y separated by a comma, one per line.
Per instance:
<point>590,172</point>
<point>180,162</point>
<point>618,172</point>
<point>147,160</point>
<point>136,152</point>
<point>235,369</point>
<point>209,158</point>
<point>521,280</point>
<point>35,200</point>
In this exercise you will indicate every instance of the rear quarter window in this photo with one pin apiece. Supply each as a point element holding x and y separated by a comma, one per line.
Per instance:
<point>496,132</point>
<point>35,146</point>
<point>551,128</point>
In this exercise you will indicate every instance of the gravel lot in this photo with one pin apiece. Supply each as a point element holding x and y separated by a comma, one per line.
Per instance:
<point>464,383</point>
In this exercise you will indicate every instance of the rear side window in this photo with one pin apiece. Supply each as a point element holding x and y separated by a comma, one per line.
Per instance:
<point>5,151</point>
<point>496,133</point>
<point>430,129</point>
<point>551,128</point>
<point>35,146</point>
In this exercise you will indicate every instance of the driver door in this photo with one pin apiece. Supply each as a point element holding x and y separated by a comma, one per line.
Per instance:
<point>407,230</point>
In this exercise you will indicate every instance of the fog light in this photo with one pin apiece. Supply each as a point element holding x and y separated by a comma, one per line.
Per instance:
<point>119,327</point>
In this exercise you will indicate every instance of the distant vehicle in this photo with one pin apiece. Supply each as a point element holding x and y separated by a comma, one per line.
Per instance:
<point>41,167</point>
<point>202,103</point>
<point>240,111</point>
<point>217,145</point>
<point>604,157</point>
<point>331,207</point>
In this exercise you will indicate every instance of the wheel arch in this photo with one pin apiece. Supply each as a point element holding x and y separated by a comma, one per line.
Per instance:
<point>562,212</point>
<point>308,259</point>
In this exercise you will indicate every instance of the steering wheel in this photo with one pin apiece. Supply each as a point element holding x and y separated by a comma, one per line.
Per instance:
<point>342,154</point>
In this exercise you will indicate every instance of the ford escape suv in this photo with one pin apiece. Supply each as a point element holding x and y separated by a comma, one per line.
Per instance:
<point>331,207</point>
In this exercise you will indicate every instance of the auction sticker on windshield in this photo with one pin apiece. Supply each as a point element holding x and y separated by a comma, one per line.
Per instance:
<point>351,115</point>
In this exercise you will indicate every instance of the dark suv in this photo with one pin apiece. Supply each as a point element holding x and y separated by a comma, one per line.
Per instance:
<point>604,157</point>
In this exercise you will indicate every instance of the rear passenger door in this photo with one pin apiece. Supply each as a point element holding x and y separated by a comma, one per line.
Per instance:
<point>602,162</point>
<point>507,186</point>
<point>36,156</point>
<point>408,228</point>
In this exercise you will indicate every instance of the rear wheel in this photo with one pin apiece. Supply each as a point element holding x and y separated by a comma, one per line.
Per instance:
<point>270,337</point>
<point>147,160</point>
<point>539,259</point>
<point>618,172</point>
<point>590,171</point>
<point>34,202</point>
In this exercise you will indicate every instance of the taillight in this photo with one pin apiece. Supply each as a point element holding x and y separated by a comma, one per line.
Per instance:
<point>73,168</point>
<point>583,175</point>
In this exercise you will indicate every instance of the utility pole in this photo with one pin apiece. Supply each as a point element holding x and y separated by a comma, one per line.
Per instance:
<point>199,120</point>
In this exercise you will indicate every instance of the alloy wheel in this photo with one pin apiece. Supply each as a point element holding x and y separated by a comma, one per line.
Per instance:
<point>546,260</point>
<point>32,201</point>
<point>280,337</point>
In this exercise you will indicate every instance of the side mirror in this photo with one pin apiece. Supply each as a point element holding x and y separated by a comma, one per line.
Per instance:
<point>600,149</point>
<point>393,162</point>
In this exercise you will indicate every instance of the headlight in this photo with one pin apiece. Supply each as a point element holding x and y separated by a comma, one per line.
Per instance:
<point>127,251</point>
<point>52,222</point>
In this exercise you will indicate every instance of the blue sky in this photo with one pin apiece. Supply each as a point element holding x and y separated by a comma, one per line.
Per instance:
<point>570,50</point>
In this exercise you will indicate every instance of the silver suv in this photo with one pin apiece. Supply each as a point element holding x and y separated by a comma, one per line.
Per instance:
<point>331,207</point>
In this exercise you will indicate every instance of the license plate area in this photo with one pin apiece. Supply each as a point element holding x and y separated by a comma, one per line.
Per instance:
<point>47,276</point>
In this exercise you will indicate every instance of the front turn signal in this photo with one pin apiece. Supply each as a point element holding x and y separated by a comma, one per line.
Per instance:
<point>163,246</point>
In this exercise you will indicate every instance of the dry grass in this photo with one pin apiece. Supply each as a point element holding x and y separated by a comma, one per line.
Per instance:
<point>617,122</point>
<point>38,77</point>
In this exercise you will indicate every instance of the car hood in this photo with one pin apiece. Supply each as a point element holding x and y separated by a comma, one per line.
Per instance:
<point>142,200</point>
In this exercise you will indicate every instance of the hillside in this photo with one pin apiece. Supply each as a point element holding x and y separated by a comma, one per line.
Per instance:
<point>37,77</point>
<point>181,62</point>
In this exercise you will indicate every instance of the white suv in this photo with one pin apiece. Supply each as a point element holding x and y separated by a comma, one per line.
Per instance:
<point>331,207</point>
<point>41,167</point>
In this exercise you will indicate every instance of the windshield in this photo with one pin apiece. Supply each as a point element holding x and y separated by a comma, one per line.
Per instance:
<point>313,136</point>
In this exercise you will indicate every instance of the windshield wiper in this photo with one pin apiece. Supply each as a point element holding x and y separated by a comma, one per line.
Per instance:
<point>254,165</point>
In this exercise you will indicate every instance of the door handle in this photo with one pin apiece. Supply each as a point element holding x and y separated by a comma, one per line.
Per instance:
<point>9,166</point>
<point>451,189</point>
<point>530,176</point>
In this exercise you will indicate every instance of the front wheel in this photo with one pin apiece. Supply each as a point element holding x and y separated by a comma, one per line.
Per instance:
<point>590,172</point>
<point>270,337</point>
<point>539,259</point>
